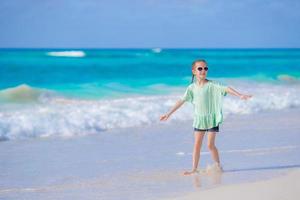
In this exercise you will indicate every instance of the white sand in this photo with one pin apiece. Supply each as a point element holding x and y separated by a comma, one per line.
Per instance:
<point>286,187</point>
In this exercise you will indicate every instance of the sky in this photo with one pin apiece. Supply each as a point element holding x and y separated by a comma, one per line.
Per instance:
<point>149,24</point>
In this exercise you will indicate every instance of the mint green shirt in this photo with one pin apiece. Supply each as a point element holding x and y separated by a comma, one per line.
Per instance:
<point>207,101</point>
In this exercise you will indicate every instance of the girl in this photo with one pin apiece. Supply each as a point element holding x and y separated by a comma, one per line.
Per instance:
<point>206,97</point>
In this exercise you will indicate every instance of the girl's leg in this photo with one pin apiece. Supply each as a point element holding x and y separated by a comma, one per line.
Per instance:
<point>199,135</point>
<point>196,152</point>
<point>212,147</point>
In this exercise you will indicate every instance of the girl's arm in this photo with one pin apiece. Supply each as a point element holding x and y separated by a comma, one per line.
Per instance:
<point>175,107</point>
<point>236,93</point>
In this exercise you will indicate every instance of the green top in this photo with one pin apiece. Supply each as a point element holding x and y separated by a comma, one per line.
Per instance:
<point>207,101</point>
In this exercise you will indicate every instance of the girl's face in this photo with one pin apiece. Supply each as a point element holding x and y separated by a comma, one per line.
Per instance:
<point>200,70</point>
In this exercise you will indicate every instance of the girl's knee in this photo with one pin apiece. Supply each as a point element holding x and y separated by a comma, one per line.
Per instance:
<point>211,147</point>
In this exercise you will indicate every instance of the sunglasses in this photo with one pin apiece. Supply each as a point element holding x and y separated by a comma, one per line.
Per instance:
<point>200,68</point>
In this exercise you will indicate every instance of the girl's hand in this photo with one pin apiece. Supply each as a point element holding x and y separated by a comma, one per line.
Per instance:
<point>245,97</point>
<point>164,117</point>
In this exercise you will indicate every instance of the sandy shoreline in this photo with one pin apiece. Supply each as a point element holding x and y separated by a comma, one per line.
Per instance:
<point>282,187</point>
<point>257,151</point>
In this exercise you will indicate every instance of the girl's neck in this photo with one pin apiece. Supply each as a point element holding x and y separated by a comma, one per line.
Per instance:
<point>201,81</point>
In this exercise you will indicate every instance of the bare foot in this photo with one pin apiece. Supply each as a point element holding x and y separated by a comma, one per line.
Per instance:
<point>190,172</point>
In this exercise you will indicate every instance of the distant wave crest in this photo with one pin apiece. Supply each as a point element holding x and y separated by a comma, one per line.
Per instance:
<point>156,50</point>
<point>67,53</point>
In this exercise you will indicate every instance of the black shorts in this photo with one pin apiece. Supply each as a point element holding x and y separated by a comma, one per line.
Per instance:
<point>214,129</point>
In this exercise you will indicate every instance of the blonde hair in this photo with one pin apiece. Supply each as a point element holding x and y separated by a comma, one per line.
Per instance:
<point>193,65</point>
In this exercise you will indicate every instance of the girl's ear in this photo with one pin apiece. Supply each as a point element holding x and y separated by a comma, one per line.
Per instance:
<point>193,71</point>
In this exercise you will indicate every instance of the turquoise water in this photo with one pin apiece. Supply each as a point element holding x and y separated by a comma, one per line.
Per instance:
<point>112,72</point>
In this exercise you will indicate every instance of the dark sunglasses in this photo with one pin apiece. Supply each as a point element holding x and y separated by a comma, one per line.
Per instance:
<point>200,68</point>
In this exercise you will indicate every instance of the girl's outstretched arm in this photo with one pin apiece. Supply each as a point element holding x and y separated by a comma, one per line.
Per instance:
<point>175,107</point>
<point>236,93</point>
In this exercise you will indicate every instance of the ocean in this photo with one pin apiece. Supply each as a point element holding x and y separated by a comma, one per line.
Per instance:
<point>77,92</point>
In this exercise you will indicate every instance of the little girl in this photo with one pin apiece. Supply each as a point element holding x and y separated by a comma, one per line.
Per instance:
<point>206,97</point>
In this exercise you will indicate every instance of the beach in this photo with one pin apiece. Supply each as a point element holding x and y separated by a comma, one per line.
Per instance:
<point>259,153</point>
<point>100,100</point>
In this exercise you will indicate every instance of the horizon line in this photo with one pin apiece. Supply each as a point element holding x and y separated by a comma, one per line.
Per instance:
<point>147,48</point>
